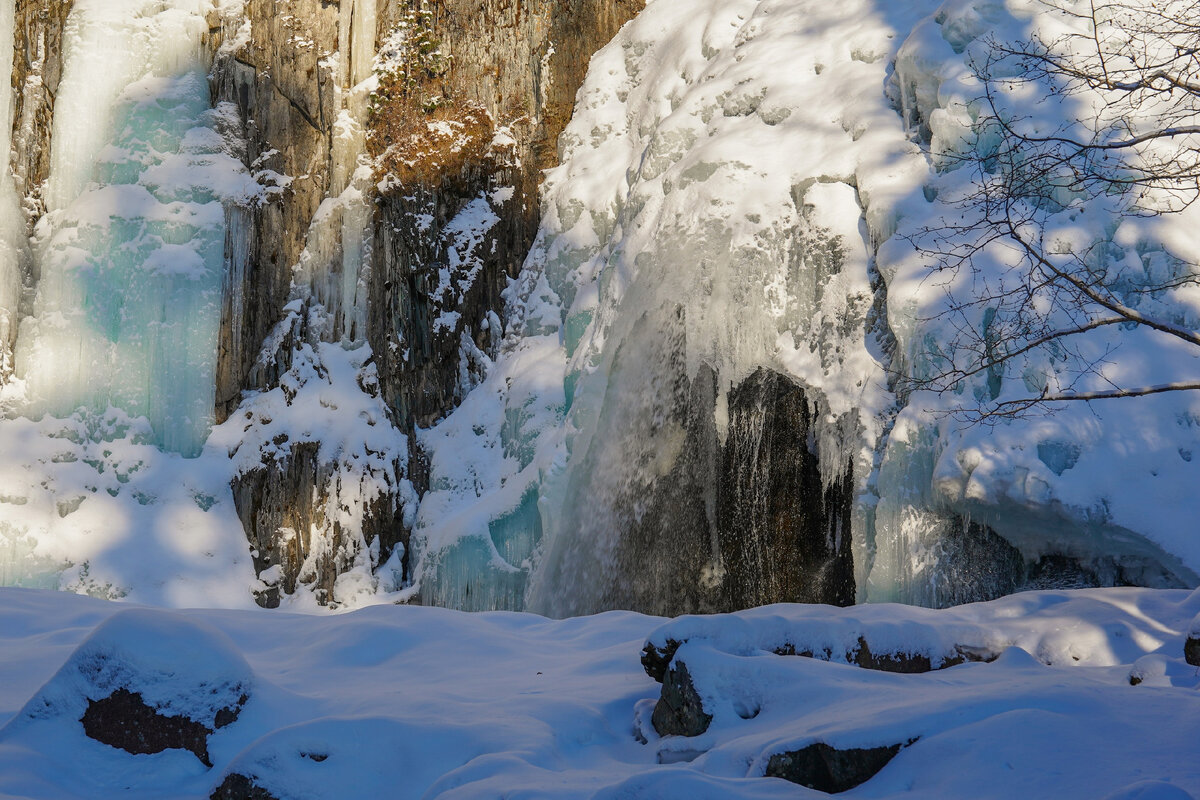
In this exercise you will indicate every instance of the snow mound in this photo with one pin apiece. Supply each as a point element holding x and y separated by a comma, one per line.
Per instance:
<point>145,681</point>
<point>418,702</point>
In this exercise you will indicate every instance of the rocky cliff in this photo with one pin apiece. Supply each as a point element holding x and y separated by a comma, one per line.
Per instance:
<point>456,153</point>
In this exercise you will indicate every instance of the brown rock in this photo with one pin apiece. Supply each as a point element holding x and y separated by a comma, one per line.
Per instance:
<point>124,720</point>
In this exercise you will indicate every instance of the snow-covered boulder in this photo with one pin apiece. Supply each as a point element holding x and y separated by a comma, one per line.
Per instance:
<point>145,681</point>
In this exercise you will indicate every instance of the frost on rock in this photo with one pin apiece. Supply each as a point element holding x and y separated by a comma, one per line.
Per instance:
<point>320,467</point>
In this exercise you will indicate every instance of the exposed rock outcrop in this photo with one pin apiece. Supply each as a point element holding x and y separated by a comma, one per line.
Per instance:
<point>680,710</point>
<point>37,69</point>
<point>454,218</point>
<point>827,769</point>
<point>124,720</point>
<point>280,506</point>
<point>276,68</point>
<point>239,787</point>
<point>784,536</point>
<point>717,523</point>
<point>454,229</point>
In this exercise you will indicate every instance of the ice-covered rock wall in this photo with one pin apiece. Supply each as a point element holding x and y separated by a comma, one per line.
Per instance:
<point>730,203</point>
<point>663,379</point>
<point>704,226</point>
<point>14,249</point>
<point>1095,493</point>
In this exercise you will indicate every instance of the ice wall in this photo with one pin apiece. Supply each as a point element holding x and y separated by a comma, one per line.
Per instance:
<point>686,234</point>
<point>130,253</point>
<point>1100,487</point>
<point>114,364</point>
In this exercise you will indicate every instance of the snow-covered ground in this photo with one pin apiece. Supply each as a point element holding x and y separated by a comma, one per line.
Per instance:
<point>408,701</point>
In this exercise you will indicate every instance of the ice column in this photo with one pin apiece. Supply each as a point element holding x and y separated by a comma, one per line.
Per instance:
<point>130,253</point>
<point>336,260</point>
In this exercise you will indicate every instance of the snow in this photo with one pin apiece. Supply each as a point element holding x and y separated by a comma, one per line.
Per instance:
<point>149,205</point>
<point>409,701</point>
<point>1098,481</point>
<point>686,226</point>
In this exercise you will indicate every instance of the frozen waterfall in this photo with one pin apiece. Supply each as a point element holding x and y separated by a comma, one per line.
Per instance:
<point>130,252</point>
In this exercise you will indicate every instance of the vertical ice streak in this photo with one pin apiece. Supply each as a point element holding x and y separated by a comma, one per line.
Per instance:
<point>130,253</point>
<point>337,253</point>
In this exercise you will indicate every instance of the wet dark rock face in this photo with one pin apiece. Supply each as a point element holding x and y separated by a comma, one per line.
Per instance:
<point>739,523</point>
<point>784,537</point>
<point>124,720</point>
<point>828,769</point>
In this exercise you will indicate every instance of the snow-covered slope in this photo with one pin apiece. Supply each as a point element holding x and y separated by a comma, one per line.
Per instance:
<point>1108,482</point>
<point>423,702</point>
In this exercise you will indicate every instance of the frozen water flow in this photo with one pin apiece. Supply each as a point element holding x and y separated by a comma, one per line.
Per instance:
<point>131,251</point>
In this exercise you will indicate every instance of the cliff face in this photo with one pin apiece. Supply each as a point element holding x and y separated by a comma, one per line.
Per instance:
<point>36,70</point>
<point>455,228</point>
<point>269,64</point>
<point>452,219</point>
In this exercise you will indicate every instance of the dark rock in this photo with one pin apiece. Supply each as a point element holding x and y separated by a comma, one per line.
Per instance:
<point>715,525</point>
<point>904,663</point>
<point>827,769</point>
<point>239,787</point>
<point>124,720</point>
<point>784,536</point>
<point>679,711</point>
<point>656,660</point>
<point>281,503</point>
<point>1191,650</point>
<point>974,563</point>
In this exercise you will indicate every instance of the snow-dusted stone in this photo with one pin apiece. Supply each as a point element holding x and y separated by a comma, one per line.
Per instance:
<point>1191,647</point>
<point>680,710</point>
<point>828,769</point>
<point>145,681</point>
